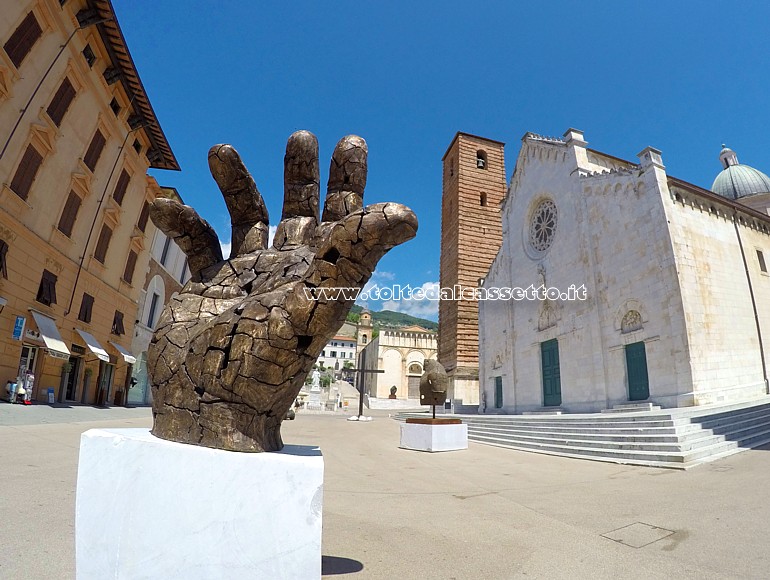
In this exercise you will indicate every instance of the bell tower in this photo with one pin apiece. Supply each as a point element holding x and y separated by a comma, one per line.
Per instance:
<point>364,330</point>
<point>474,186</point>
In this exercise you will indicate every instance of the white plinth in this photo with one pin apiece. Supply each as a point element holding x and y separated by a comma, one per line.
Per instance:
<point>420,437</point>
<point>149,508</point>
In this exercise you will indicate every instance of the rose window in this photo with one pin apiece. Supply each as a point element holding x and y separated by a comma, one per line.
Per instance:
<point>543,226</point>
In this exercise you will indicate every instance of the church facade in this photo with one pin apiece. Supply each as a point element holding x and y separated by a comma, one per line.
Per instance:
<point>400,354</point>
<point>676,304</point>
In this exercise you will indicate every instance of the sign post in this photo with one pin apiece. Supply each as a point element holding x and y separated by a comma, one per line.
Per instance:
<point>18,327</point>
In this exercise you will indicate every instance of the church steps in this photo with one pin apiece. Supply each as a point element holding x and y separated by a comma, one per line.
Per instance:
<point>587,452</point>
<point>589,435</point>
<point>679,426</point>
<point>678,438</point>
<point>672,444</point>
<point>692,442</point>
<point>711,421</point>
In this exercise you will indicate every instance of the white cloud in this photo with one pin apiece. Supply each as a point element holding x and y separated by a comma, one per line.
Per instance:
<point>225,248</point>
<point>383,275</point>
<point>424,307</point>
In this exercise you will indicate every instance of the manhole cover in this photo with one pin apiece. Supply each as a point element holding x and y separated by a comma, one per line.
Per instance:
<point>638,535</point>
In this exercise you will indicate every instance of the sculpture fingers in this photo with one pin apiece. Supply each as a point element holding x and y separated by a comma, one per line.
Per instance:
<point>191,232</point>
<point>347,179</point>
<point>248,214</point>
<point>300,191</point>
<point>354,245</point>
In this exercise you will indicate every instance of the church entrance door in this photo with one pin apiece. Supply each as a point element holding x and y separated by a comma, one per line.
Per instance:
<point>549,357</point>
<point>413,386</point>
<point>636,366</point>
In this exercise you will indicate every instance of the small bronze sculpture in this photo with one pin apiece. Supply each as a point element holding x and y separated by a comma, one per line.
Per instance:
<point>393,390</point>
<point>233,348</point>
<point>433,384</point>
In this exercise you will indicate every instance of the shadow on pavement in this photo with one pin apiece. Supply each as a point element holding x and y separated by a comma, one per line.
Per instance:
<point>331,565</point>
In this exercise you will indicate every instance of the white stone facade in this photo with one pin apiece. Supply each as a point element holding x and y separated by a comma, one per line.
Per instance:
<point>401,353</point>
<point>168,273</point>
<point>662,262</point>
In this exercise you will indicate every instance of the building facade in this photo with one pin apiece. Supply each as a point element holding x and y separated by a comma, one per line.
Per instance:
<point>340,350</point>
<point>78,136</point>
<point>167,274</point>
<point>677,292</point>
<point>471,232</point>
<point>400,353</point>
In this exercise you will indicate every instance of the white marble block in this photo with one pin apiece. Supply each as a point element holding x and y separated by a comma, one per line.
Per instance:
<point>149,508</point>
<point>421,437</point>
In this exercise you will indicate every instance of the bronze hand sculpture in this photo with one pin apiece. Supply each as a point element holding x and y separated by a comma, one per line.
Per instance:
<point>232,349</point>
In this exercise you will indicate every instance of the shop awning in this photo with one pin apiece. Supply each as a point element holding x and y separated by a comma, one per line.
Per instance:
<point>127,356</point>
<point>94,346</point>
<point>54,344</point>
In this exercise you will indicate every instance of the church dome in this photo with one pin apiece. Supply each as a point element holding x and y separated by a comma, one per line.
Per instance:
<point>736,180</point>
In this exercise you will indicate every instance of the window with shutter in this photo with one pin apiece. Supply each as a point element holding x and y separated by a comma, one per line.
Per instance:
<point>103,243</point>
<point>26,172</point>
<point>89,55</point>
<point>143,217</point>
<point>153,308</point>
<point>46,292</point>
<point>117,323</point>
<point>86,306</point>
<point>61,102</point>
<point>3,264</point>
<point>23,39</point>
<point>128,274</point>
<point>164,253</point>
<point>94,150</point>
<point>70,214</point>
<point>121,187</point>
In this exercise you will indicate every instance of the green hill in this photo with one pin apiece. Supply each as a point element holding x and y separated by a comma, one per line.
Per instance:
<point>385,318</point>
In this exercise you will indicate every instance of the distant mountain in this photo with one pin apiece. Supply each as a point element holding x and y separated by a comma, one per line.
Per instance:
<point>389,318</point>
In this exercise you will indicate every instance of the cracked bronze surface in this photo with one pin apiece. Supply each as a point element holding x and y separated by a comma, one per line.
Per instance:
<point>433,383</point>
<point>233,348</point>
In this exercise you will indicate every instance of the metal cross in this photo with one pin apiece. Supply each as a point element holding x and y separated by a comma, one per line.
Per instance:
<point>361,372</point>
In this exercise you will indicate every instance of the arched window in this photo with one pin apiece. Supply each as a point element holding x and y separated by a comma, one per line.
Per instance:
<point>483,199</point>
<point>451,167</point>
<point>363,339</point>
<point>415,369</point>
<point>481,159</point>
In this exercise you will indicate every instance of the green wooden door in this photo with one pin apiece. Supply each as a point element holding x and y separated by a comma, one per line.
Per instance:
<point>549,356</point>
<point>498,392</point>
<point>636,366</point>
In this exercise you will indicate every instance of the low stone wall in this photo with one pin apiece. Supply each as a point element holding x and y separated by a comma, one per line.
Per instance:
<point>375,403</point>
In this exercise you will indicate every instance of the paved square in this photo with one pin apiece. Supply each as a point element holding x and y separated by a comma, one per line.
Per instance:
<point>484,512</point>
<point>638,535</point>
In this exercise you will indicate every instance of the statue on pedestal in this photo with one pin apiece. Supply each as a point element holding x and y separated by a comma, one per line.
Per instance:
<point>233,348</point>
<point>315,384</point>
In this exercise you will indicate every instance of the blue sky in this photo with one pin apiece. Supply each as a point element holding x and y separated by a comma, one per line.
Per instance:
<point>684,77</point>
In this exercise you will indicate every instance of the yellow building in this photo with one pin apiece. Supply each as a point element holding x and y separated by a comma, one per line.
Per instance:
<point>77,135</point>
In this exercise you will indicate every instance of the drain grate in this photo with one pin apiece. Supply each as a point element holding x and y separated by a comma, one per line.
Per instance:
<point>638,534</point>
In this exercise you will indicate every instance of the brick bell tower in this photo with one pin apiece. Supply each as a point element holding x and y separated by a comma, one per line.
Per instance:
<point>474,186</point>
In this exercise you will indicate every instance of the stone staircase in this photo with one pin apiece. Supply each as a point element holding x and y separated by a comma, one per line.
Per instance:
<point>675,438</point>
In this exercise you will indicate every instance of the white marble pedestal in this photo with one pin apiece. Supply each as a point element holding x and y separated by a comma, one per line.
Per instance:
<point>150,508</point>
<point>434,435</point>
